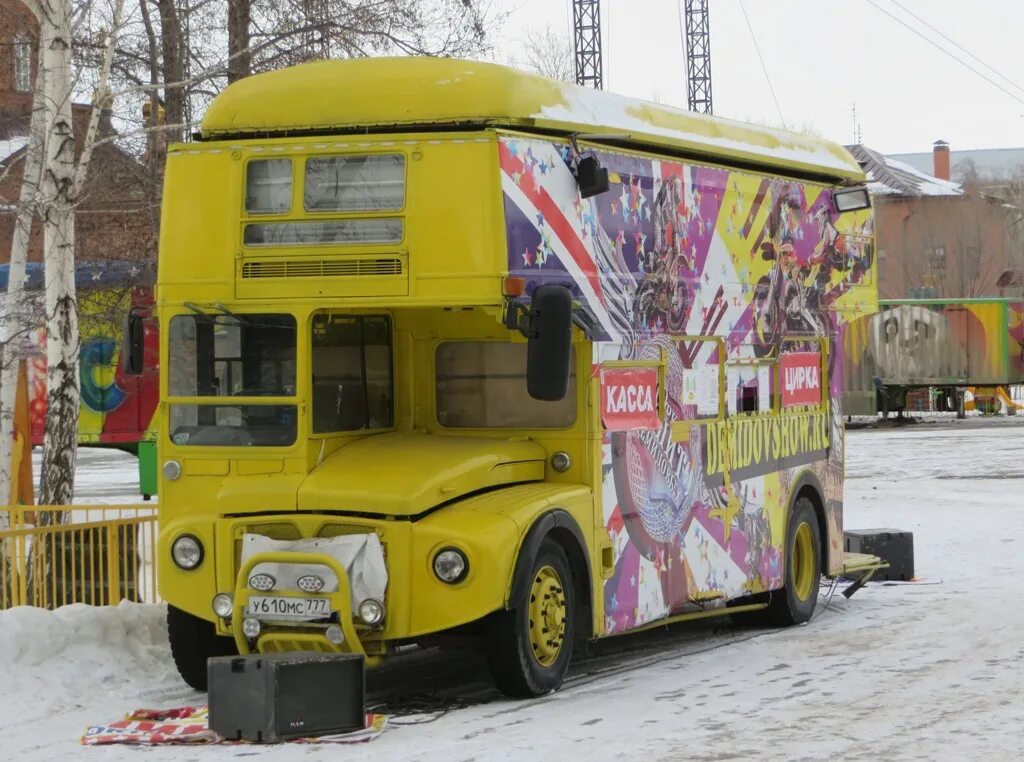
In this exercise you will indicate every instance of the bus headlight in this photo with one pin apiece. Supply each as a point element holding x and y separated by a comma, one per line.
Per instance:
<point>187,552</point>
<point>223,605</point>
<point>451,565</point>
<point>371,611</point>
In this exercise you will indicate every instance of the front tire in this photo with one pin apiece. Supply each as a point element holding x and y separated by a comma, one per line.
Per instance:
<point>193,641</point>
<point>795,603</point>
<point>530,646</point>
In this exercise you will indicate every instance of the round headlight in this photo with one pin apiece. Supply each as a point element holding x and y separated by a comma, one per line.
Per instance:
<point>172,469</point>
<point>187,552</point>
<point>262,582</point>
<point>310,583</point>
<point>223,605</point>
<point>450,565</point>
<point>335,634</point>
<point>371,611</point>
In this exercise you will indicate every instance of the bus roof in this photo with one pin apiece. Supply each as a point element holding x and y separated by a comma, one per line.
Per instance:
<point>392,93</point>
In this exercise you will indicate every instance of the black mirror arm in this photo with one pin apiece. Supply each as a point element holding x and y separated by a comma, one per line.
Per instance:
<point>516,317</point>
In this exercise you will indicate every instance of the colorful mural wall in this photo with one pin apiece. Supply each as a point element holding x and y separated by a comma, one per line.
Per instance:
<point>935,342</point>
<point>117,408</point>
<point>722,278</point>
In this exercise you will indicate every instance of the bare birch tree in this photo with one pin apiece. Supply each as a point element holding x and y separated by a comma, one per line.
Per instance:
<point>52,183</point>
<point>56,207</point>
<point>14,322</point>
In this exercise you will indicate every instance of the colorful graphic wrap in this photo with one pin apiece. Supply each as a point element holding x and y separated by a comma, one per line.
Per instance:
<point>671,256</point>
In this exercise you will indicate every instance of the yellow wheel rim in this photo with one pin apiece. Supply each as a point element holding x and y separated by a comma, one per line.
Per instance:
<point>804,562</point>
<point>547,616</point>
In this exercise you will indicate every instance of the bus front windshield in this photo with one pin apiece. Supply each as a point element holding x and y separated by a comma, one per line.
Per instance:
<point>224,355</point>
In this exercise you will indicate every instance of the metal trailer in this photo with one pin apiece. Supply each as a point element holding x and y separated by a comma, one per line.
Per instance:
<point>943,345</point>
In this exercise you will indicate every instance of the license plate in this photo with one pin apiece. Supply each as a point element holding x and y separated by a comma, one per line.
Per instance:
<point>297,609</point>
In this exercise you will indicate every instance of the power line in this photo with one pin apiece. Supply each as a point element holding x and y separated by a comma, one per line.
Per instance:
<point>958,45</point>
<point>932,42</point>
<point>763,67</point>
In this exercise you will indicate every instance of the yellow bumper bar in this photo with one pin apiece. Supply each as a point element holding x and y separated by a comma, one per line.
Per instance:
<point>341,606</point>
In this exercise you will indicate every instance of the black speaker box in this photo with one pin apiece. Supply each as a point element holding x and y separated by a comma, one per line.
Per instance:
<point>892,545</point>
<point>269,698</point>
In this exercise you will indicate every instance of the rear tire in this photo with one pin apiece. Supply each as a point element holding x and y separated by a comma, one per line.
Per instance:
<point>795,602</point>
<point>529,647</point>
<point>193,641</point>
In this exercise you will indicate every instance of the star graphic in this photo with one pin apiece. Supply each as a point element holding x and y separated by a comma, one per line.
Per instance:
<point>540,220</point>
<point>543,167</point>
<point>527,257</point>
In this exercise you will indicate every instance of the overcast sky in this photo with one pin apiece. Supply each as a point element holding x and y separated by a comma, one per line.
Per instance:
<point>823,56</point>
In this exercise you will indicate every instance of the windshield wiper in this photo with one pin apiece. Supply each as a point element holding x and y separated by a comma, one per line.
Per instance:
<point>220,308</point>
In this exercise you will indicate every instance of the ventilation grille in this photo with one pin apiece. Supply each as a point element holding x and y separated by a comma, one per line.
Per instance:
<point>321,268</point>
<point>338,530</point>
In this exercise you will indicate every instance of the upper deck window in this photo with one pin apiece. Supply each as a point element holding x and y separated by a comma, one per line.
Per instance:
<point>322,232</point>
<point>355,183</point>
<point>268,186</point>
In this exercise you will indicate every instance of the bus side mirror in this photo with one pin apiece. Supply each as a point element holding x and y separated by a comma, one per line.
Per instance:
<point>134,344</point>
<point>548,349</point>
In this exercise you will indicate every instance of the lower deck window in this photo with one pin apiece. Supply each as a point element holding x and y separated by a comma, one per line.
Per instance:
<point>233,425</point>
<point>482,384</point>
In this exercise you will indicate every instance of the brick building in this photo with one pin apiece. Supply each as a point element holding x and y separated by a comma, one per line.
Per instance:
<point>936,238</point>
<point>117,217</point>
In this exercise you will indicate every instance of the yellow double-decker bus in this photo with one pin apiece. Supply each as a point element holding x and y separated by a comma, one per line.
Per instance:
<point>450,348</point>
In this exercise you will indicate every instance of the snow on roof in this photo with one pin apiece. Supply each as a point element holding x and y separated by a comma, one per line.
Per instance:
<point>995,163</point>
<point>889,177</point>
<point>11,145</point>
<point>753,142</point>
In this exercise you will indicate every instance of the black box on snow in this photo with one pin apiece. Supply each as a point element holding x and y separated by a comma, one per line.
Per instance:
<point>892,545</point>
<point>272,697</point>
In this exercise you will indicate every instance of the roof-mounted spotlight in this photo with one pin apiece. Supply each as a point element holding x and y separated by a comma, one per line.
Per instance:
<point>852,199</point>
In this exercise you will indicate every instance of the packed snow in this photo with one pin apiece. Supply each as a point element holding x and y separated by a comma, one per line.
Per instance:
<point>925,671</point>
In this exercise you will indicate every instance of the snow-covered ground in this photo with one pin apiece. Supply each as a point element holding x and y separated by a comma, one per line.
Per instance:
<point>102,476</point>
<point>913,672</point>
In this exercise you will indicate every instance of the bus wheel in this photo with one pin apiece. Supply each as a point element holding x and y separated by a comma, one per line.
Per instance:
<point>529,646</point>
<point>796,601</point>
<point>193,641</point>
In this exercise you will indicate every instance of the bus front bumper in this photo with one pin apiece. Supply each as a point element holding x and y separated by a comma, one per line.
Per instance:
<point>290,620</point>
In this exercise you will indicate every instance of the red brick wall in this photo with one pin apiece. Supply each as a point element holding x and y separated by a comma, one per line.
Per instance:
<point>913,233</point>
<point>15,19</point>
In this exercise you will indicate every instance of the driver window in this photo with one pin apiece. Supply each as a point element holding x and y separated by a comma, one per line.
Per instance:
<point>352,387</point>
